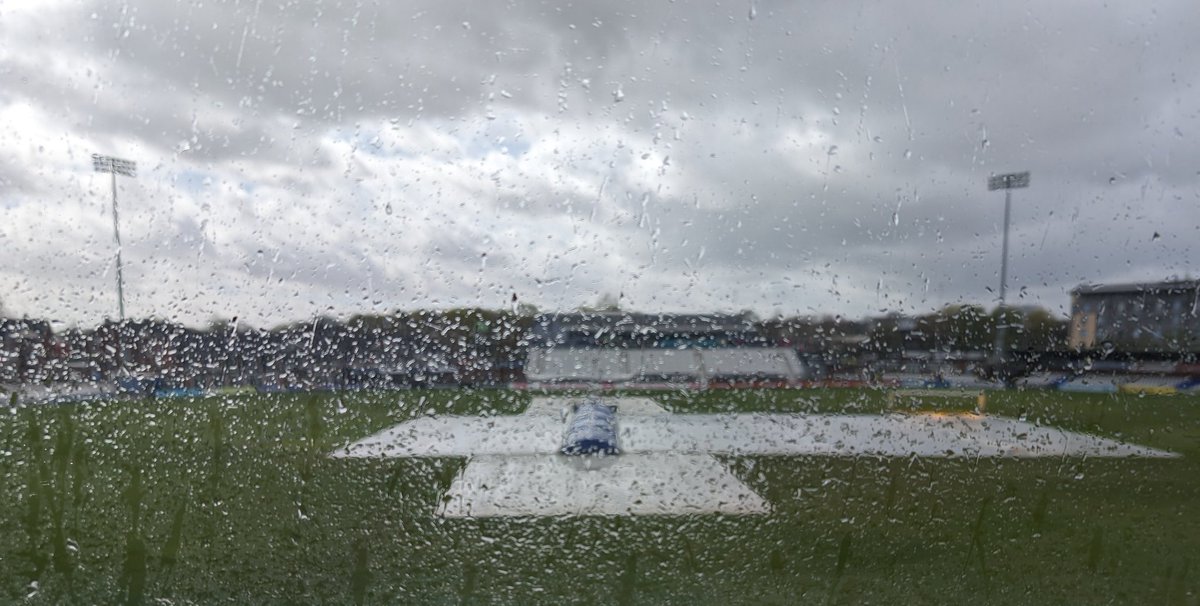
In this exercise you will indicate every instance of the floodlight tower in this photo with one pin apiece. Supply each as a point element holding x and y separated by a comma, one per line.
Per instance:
<point>127,168</point>
<point>1007,182</point>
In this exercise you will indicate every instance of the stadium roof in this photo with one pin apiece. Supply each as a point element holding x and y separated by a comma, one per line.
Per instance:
<point>1139,287</point>
<point>633,321</point>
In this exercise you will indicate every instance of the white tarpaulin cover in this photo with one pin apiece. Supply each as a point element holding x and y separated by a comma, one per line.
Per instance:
<point>636,484</point>
<point>666,465</point>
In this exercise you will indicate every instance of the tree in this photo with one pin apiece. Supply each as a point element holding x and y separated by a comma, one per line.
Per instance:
<point>971,328</point>
<point>606,302</point>
<point>1042,331</point>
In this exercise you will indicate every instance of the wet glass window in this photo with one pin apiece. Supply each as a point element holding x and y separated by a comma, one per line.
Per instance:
<point>607,302</point>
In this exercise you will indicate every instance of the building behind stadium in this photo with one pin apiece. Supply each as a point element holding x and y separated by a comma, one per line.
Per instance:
<point>1148,317</point>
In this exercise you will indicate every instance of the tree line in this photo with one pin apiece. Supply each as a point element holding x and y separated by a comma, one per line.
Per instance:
<point>474,345</point>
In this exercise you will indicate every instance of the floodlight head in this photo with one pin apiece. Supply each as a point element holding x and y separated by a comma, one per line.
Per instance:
<point>109,164</point>
<point>1009,181</point>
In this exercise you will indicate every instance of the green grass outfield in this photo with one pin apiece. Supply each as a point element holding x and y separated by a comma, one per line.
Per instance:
<point>231,500</point>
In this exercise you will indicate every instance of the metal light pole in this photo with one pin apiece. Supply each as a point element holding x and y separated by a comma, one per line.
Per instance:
<point>1008,183</point>
<point>127,168</point>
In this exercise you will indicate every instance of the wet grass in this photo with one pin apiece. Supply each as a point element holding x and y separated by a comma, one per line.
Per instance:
<point>231,500</point>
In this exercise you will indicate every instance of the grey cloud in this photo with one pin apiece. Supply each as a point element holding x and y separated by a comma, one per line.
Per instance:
<point>914,109</point>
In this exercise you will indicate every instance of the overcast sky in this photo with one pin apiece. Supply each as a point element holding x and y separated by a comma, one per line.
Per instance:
<point>788,158</point>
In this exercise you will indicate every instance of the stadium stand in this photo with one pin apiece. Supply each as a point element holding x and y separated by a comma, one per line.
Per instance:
<point>650,367</point>
<point>578,364</point>
<point>656,350</point>
<point>669,365</point>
